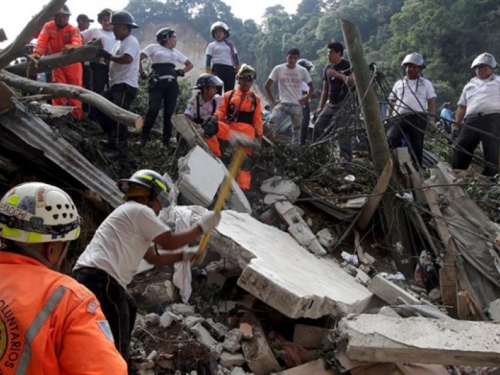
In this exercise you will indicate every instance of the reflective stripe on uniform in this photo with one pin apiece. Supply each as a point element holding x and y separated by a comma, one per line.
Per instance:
<point>35,327</point>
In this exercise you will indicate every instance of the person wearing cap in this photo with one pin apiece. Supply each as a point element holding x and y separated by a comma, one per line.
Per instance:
<point>479,109</point>
<point>59,36</point>
<point>240,111</point>
<point>163,85</point>
<point>413,101</point>
<point>290,77</point>
<point>446,117</point>
<point>129,234</point>
<point>123,78</point>
<point>83,22</point>
<point>47,317</point>
<point>100,70</point>
<point>221,56</point>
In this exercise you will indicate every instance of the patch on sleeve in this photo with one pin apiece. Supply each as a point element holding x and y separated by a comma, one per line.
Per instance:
<point>104,326</point>
<point>92,306</point>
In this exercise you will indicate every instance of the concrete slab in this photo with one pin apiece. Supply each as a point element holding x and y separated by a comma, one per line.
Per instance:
<point>377,338</point>
<point>390,292</point>
<point>283,274</point>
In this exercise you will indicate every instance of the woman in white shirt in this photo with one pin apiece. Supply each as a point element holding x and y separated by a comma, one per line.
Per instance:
<point>163,85</point>
<point>222,56</point>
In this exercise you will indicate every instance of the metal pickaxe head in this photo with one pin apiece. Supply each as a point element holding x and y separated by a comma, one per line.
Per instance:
<point>237,139</point>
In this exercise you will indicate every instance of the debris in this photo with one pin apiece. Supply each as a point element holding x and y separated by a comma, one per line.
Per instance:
<point>375,338</point>
<point>398,276</point>
<point>326,238</point>
<point>494,310</point>
<point>316,367</point>
<point>182,309</point>
<point>246,331</point>
<point>390,292</point>
<point>309,336</point>
<point>351,258</point>
<point>232,341</point>
<point>281,187</point>
<point>229,360</point>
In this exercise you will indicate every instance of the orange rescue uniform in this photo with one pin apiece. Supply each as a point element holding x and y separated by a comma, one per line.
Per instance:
<point>50,324</point>
<point>241,112</point>
<point>53,39</point>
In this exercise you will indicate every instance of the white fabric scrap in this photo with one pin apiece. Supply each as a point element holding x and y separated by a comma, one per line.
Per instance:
<point>182,270</point>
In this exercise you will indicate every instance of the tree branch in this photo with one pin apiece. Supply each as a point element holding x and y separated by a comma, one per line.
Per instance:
<point>63,90</point>
<point>16,48</point>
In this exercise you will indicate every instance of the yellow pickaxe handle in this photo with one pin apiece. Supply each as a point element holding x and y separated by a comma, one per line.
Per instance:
<point>234,168</point>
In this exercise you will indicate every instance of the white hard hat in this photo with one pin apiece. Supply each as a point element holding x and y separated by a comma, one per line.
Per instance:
<point>35,212</point>
<point>484,59</point>
<point>415,59</point>
<point>219,25</point>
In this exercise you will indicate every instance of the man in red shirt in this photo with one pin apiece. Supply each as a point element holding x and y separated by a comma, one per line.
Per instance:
<point>59,36</point>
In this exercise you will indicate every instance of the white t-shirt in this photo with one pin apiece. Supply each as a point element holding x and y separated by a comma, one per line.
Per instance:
<point>125,73</point>
<point>107,38</point>
<point>206,108</point>
<point>481,96</point>
<point>411,95</point>
<point>163,55</point>
<point>290,82</point>
<point>221,53</point>
<point>121,241</point>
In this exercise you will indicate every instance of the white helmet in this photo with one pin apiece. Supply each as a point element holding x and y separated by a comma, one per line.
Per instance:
<point>35,212</point>
<point>484,59</point>
<point>415,59</point>
<point>219,25</point>
<point>306,64</point>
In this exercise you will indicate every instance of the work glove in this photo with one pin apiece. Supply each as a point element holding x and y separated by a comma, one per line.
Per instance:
<point>179,72</point>
<point>104,54</point>
<point>208,70</point>
<point>68,48</point>
<point>210,127</point>
<point>209,221</point>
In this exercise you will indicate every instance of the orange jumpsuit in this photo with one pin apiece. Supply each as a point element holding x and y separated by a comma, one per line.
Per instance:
<point>50,324</point>
<point>53,39</point>
<point>241,112</point>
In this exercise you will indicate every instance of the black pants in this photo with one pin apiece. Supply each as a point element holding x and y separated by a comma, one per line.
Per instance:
<point>166,93</point>
<point>484,129</point>
<point>226,74</point>
<point>122,95</point>
<point>118,306</point>
<point>411,127</point>
<point>100,77</point>
<point>304,127</point>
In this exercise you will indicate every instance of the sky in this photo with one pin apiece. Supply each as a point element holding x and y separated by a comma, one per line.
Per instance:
<point>17,13</point>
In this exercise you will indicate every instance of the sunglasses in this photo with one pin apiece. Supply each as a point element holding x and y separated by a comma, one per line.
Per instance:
<point>246,78</point>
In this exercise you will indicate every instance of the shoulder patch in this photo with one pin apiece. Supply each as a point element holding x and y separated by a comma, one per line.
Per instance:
<point>106,329</point>
<point>92,306</point>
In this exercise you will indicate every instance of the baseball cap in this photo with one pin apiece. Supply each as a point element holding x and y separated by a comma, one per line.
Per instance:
<point>84,17</point>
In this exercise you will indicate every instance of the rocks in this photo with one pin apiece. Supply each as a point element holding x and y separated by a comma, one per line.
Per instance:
<point>229,360</point>
<point>182,309</point>
<point>232,341</point>
<point>326,238</point>
<point>278,186</point>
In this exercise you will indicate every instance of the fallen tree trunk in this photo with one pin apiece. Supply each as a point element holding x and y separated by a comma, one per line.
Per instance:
<point>86,52</point>
<point>16,48</point>
<point>63,90</point>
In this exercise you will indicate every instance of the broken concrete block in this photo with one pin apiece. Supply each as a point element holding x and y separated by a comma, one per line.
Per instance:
<point>326,238</point>
<point>167,318</point>
<point>232,341</point>
<point>203,336</point>
<point>246,331</point>
<point>158,292</point>
<point>494,310</point>
<point>387,311</point>
<point>316,367</point>
<point>390,292</point>
<point>282,277</point>
<point>362,277</point>
<point>200,175</point>
<point>238,371</point>
<point>152,318</point>
<point>191,321</point>
<point>280,186</point>
<point>229,360</point>
<point>257,352</point>
<point>376,338</point>
<point>216,329</point>
<point>298,228</point>
<point>182,309</point>
<point>309,336</point>
<point>270,199</point>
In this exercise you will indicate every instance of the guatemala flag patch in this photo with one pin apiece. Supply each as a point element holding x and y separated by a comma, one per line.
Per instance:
<point>104,326</point>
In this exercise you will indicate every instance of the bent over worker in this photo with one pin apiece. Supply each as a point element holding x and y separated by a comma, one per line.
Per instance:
<point>59,36</point>
<point>124,238</point>
<point>241,111</point>
<point>49,323</point>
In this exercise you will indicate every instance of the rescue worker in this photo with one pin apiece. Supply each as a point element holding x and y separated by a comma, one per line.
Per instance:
<point>125,237</point>
<point>100,71</point>
<point>290,77</point>
<point>240,111</point>
<point>446,117</point>
<point>221,56</point>
<point>163,85</point>
<point>123,77</point>
<point>413,100</point>
<point>49,323</point>
<point>59,36</point>
<point>306,109</point>
<point>83,22</point>
<point>479,105</point>
<point>206,101</point>
<point>334,109</point>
